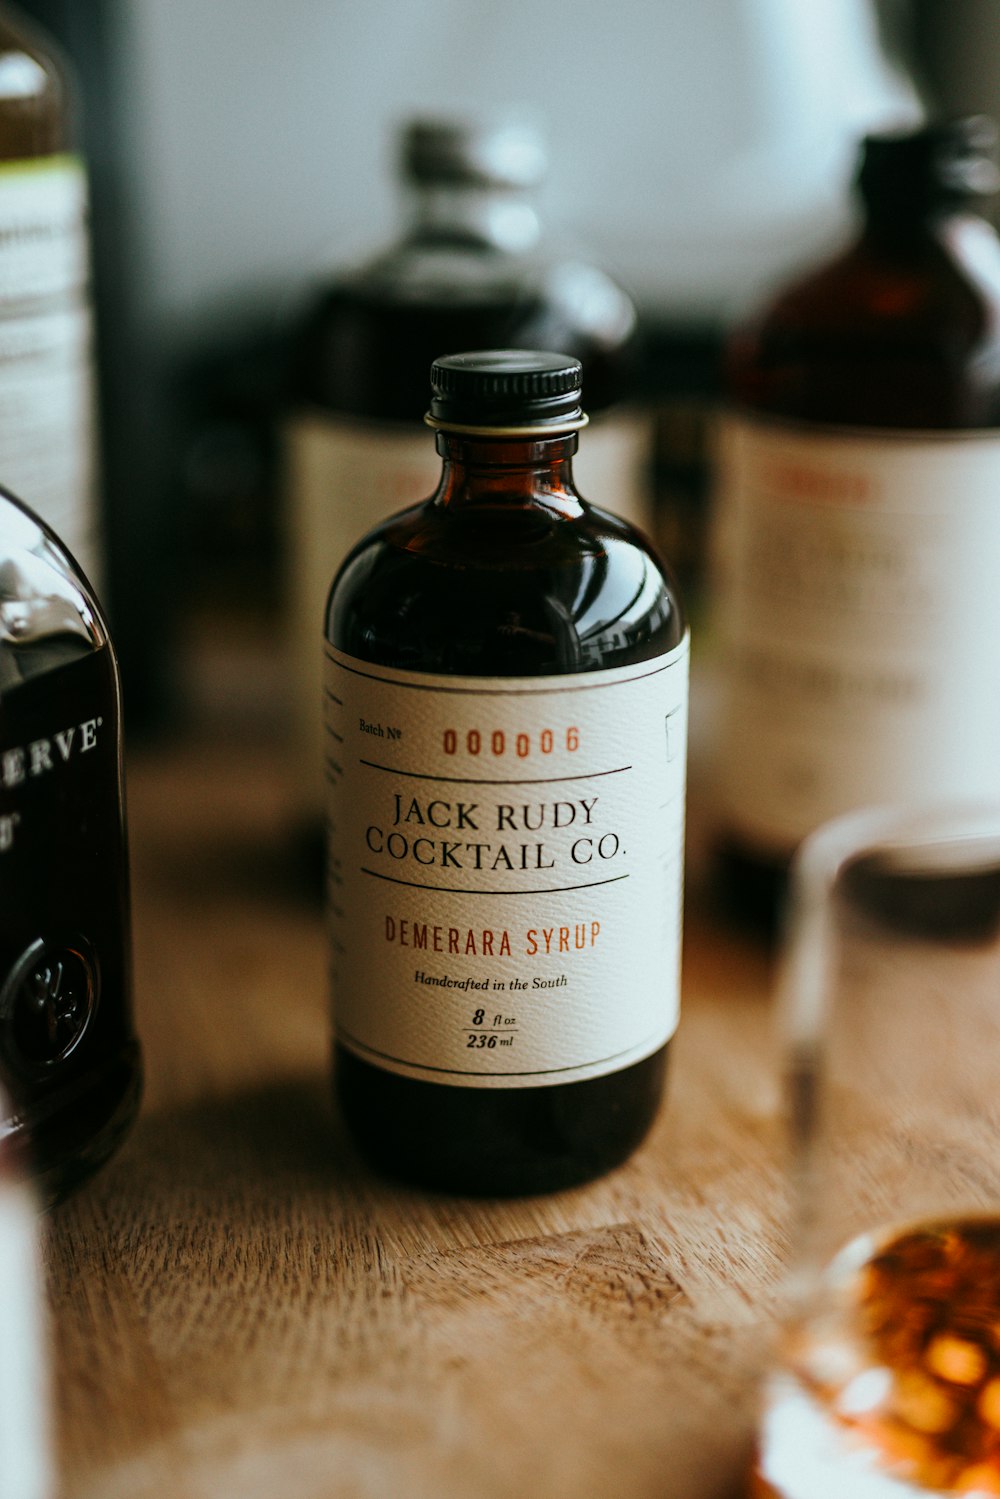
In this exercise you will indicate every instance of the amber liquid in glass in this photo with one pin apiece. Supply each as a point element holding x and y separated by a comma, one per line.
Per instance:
<point>895,1373</point>
<point>505,572</point>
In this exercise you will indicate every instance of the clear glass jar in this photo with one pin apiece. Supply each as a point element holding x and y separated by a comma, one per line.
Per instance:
<point>886,1380</point>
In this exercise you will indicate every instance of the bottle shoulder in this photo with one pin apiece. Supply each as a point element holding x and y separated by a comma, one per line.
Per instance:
<point>427,269</point>
<point>48,614</point>
<point>873,286</point>
<point>504,591</point>
<point>432,268</point>
<point>884,334</point>
<point>367,338</point>
<point>33,94</point>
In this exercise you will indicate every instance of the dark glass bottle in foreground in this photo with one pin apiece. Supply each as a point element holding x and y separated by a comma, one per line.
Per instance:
<point>855,534</point>
<point>473,268</point>
<point>506,694</point>
<point>69,1059</point>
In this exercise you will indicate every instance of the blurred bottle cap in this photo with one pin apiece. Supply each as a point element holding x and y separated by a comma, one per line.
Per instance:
<point>505,152</point>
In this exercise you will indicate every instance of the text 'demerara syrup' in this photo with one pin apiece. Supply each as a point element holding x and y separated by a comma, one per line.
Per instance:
<point>506,702</point>
<point>505,849</point>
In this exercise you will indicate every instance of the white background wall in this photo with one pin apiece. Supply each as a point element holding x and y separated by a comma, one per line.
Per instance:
<point>696,145</point>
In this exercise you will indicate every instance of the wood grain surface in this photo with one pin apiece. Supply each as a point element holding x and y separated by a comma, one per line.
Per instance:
<point>239,1308</point>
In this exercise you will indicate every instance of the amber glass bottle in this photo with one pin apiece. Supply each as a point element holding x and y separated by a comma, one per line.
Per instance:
<point>473,269</point>
<point>857,534</point>
<point>47,430</point>
<point>506,694</point>
<point>69,1059</point>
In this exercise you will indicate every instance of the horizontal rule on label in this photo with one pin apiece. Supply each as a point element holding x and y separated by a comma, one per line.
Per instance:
<point>505,865</point>
<point>515,1077</point>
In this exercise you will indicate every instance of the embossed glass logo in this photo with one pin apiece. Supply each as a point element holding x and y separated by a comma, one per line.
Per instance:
<point>46,1003</point>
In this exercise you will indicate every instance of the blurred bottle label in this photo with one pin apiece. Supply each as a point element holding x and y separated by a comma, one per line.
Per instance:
<point>46,371</point>
<point>346,475</point>
<point>859,622</point>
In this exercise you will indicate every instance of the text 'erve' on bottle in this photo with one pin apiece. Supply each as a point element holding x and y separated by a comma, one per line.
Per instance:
<point>69,1059</point>
<point>506,706</point>
<point>856,527</point>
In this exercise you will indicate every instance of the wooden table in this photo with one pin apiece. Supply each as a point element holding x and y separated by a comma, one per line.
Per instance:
<point>241,1309</point>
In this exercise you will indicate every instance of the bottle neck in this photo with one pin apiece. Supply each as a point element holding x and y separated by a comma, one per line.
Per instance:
<point>460,213</point>
<point>508,472</point>
<point>899,222</point>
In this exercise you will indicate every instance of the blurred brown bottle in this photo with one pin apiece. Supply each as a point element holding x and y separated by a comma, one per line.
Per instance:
<point>473,269</point>
<point>857,524</point>
<point>47,429</point>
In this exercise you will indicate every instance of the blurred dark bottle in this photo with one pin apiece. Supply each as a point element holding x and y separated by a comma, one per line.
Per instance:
<point>47,423</point>
<point>69,1059</point>
<point>857,525</point>
<point>472,270</point>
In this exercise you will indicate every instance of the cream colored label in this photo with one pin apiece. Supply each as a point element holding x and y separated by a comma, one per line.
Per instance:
<point>345,476</point>
<point>505,869</point>
<point>46,356</point>
<point>858,613</point>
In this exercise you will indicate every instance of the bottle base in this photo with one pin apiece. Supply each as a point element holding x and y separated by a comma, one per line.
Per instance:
<point>496,1142</point>
<point>81,1129</point>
